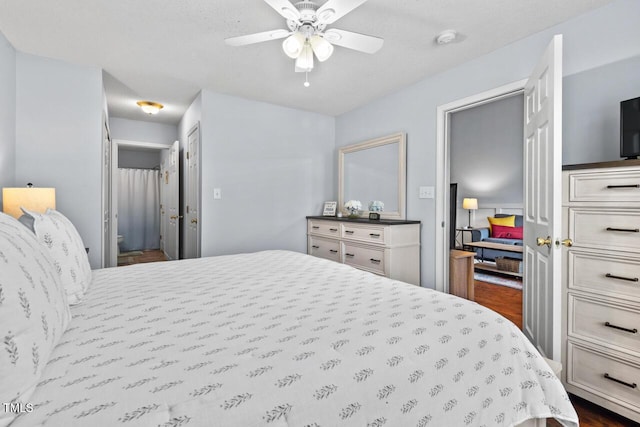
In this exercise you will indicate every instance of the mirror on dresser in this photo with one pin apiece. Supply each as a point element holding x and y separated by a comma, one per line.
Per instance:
<point>374,170</point>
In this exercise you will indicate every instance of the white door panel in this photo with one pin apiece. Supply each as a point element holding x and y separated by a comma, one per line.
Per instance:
<point>543,196</point>
<point>192,199</point>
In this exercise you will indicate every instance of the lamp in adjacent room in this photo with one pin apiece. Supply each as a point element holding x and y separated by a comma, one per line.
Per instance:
<point>470,205</point>
<point>32,198</point>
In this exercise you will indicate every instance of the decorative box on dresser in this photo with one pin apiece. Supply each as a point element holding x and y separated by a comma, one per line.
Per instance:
<point>601,285</point>
<point>390,248</point>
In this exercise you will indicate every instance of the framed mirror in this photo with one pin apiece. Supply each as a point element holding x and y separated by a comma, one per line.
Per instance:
<point>374,170</point>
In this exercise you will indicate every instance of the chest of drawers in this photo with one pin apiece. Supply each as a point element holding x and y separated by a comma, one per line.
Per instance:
<point>389,248</point>
<point>601,286</point>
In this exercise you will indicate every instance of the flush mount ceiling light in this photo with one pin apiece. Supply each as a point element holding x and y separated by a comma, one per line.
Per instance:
<point>308,36</point>
<point>150,107</point>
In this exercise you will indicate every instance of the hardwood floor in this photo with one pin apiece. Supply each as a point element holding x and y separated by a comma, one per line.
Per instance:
<point>508,302</point>
<point>139,257</point>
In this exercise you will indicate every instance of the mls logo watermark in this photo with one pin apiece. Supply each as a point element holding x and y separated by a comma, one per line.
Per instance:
<point>17,407</point>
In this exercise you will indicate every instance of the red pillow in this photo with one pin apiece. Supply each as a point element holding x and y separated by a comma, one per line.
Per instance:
<point>505,232</point>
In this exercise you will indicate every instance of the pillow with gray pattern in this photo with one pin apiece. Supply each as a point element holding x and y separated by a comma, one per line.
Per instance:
<point>34,312</point>
<point>60,237</point>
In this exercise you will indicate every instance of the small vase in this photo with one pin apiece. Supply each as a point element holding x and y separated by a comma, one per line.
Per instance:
<point>353,214</point>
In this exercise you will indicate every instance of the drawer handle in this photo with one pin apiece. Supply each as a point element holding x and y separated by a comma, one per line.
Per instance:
<point>315,247</point>
<point>624,186</point>
<point>375,261</point>
<point>333,229</point>
<point>351,255</point>
<point>631,385</point>
<point>315,227</point>
<point>374,235</point>
<point>349,231</point>
<point>333,251</point>
<point>613,276</point>
<point>609,325</point>
<point>628,230</point>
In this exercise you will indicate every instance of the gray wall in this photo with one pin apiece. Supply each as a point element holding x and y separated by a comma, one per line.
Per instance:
<point>7,114</point>
<point>275,165</point>
<point>587,45</point>
<point>486,152</point>
<point>58,139</point>
<point>128,158</point>
<point>591,110</point>
<point>142,131</point>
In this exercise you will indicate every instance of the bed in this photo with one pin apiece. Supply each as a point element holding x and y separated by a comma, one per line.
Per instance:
<point>278,338</point>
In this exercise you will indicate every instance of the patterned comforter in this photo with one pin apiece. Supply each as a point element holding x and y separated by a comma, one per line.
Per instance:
<point>280,339</point>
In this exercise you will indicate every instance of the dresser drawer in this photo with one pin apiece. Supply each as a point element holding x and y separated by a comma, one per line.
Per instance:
<point>604,274</point>
<point>364,233</point>
<point>605,228</point>
<point>367,258</point>
<point>607,377</point>
<point>605,323</point>
<point>324,248</point>
<point>324,228</point>
<point>601,186</point>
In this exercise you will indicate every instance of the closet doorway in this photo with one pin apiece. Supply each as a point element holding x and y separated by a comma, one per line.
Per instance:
<point>144,199</point>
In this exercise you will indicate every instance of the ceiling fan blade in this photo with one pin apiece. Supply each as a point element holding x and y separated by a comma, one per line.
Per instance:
<point>284,8</point>
<point>355,41</point>
<point>333,10</point>
<point>257,37</point>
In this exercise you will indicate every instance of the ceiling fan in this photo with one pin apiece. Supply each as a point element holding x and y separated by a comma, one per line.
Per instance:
<point>308,35</point>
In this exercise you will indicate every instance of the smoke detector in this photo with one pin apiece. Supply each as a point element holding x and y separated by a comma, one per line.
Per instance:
<point>446,37</point>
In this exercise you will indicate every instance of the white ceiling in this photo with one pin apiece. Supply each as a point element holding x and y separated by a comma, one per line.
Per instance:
<point>167,50</point>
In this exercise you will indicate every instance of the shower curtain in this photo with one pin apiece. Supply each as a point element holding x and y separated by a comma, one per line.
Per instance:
<point>139,209</point>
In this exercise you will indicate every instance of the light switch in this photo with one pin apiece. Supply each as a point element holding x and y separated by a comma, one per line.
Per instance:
<point>217,193</point>
<point>426,193</point>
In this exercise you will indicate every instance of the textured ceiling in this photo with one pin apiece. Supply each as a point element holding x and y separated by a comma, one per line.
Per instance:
<point>167,50</point>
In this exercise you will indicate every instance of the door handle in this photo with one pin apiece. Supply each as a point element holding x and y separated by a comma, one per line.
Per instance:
<point>565,242</point>
<point>541,241</point>
<point>176,217</point>
<point>194,221</point>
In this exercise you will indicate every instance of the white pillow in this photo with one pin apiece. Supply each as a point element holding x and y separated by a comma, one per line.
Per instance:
<point>34,312</point>
<point>65,246</point>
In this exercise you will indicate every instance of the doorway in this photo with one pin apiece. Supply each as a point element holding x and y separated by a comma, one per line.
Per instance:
<point>141,200</point>
<point>443,172</point>
<point>486,161</point>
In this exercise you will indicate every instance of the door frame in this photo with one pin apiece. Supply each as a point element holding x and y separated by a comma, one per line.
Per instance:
<point>443,117</point>
<point>113,200</point>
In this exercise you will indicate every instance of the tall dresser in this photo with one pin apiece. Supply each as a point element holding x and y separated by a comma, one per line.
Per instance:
<point>390,248</point>
<point>601,285</point>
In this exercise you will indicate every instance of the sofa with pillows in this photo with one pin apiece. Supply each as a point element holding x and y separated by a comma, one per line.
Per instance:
<point>503,228</point>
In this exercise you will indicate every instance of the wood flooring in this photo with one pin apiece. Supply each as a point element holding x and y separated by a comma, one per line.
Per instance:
<point>128,258</point>
<point>508,302</point>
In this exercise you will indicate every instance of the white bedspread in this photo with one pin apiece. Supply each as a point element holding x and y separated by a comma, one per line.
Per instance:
<point>283,339</point>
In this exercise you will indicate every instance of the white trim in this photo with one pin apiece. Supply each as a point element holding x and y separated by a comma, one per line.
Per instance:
<point>442,169</point>
<point>141,144</point>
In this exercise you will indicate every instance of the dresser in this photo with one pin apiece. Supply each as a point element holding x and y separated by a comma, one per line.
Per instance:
<point>601,284</point>
<point>390,248</point>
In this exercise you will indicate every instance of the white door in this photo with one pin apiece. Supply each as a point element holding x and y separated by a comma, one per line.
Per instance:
<point>113,212</point>
<point>106,192</point>
<point>542,202</point>
<point>169,200</point>
<point>192,199</point>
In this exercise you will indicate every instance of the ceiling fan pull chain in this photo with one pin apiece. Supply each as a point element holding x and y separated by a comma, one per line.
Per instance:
<point>306,79</point>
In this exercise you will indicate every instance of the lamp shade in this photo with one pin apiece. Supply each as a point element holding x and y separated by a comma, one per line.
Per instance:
<point>470,204</point>
<point>31,198</point>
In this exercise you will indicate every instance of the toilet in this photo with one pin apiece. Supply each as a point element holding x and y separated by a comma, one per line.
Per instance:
<point>120,240</point>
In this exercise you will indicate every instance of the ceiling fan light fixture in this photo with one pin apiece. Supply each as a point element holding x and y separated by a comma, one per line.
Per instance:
<point>293,45</point>
<point>305,60</point>
<point>322,48</point>
<point>150,107</point>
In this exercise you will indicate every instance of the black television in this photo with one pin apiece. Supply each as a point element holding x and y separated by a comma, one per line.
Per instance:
<point>630,128</point>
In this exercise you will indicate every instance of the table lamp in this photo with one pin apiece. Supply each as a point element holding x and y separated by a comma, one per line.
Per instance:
<point>31,198</point>
<point>470,205</point>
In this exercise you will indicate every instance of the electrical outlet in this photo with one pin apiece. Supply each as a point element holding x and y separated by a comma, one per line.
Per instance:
<point>426,193</point>
<point>217,194</point>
